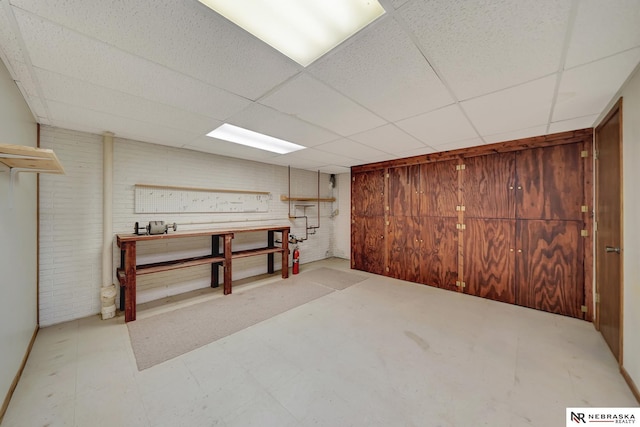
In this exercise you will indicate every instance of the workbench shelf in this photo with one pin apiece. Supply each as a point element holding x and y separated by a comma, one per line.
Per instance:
<point>128,270</point>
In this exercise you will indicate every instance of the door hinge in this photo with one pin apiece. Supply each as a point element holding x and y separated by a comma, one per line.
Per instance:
<point>584,208</point>
<point>595,225</point>
<point>460,208</point>
<point>461,226</point>
<point>387,176</point>
<point>583,308</point>
<point>584,153</point>
<point>460,284</point>
<point>584,233</point>
<point>460,167</point>
<point>597,298</point>
<point>353,179</point>
<point>596,154</point>
<point>387,222</point>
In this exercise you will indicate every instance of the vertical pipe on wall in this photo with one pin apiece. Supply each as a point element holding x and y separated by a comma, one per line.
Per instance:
<point>108,292</point>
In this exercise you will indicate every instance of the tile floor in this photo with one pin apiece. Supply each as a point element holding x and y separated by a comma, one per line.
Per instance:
<point>381,353</point>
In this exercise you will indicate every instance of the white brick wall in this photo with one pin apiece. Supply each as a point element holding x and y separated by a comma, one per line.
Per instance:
<point>71,217</point>
<point>71,227</point>
<point>342,225</point>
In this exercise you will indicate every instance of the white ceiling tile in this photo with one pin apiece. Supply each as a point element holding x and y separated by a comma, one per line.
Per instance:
<point>332,169</point>
<point>484,46</point>
<point>166,71</point>
<point>310,100</point>
<point>346,147</point>
<point>439,127</point>
<point>37,107</point>
<point>266,120</point>
<point>10,47</point>
<point>587,89</point>
<point>398,3</point>
<point>603,28</point>
<point>25,78</point>
<point>229,149</point>
<point>85,120</point>
<point>573,124</point>
<point>184,36</point>
<point>68,53</point>
<point>388,138</point>
<point>415,152</point>
<point>317,157</point>
<point>473,142</point>
<point>80,94</point>
<point>296,162</point>
<point>516,134</point>
<point>399,86</point>
<point>511,109</point>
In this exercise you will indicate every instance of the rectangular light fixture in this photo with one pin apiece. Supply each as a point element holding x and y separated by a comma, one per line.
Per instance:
<point>304,30</point>
<point>253,139</point>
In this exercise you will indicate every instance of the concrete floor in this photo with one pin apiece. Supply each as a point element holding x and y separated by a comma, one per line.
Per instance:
<point>380,353</point>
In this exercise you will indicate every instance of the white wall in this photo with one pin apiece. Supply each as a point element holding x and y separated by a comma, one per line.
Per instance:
<point>18,239</point>
<point>71,217</point>
<point>342,227</point>
<point>71,227</point>
<point>631,236</point>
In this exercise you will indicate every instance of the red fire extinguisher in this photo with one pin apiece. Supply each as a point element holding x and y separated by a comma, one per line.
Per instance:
<point>296,260</point>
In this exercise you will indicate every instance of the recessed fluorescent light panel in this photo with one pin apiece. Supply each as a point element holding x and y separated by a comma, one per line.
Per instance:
<point>253,139</point>
<point>304,30</point>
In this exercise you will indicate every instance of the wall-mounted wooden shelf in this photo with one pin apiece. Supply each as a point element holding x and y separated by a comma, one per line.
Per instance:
<point>30,159</point>
<point>306,199</point>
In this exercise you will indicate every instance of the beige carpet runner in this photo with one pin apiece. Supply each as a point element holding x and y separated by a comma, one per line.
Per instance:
<point>165,336</point>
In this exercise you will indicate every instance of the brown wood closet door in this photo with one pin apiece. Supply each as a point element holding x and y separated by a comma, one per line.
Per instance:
<point>368,244</point>
<point>367,193</point>
<point>608,235</point>
<point>404,248</point>
<point>439,186</point>
<point>550,182</point>
<point>438,252</point>
<point>549,270</point>
<point>489,186</point>
<point>404,191</point>
<point>489,260</point>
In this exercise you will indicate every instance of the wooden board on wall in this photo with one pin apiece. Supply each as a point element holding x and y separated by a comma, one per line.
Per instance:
<point>549,181</point>
<point>524,210</point>
<point>368,193</point>
<point>489,259</point>
<point>438,252</point>
<point>403,191</point>
<point>405,245</point>
<point>368,246</point>
<point>549,269</point>
<point>489,186</point>
<point>439,184</point>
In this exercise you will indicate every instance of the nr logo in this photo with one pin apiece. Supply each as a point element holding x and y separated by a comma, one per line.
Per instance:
<point>577,417</point>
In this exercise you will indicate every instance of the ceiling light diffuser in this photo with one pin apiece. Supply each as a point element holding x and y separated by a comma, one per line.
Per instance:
<point>253,139</point>
<point>304,30</point>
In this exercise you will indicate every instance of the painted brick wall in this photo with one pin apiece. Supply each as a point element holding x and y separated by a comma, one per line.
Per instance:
<point>342,224</point>
<point>71,217</point>
<point>71,227</point>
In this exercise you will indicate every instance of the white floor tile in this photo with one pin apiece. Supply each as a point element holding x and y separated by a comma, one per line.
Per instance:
<point>380,353</point>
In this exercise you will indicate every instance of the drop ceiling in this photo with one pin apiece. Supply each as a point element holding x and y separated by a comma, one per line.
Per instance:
<point>427,76</point>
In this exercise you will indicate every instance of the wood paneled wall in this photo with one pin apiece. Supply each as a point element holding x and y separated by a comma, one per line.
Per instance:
<point>510,222</point>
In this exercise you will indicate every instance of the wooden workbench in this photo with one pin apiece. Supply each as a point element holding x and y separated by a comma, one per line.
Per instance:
<point>129,269</point>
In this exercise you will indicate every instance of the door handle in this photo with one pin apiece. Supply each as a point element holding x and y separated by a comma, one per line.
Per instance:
<point>612,249</point>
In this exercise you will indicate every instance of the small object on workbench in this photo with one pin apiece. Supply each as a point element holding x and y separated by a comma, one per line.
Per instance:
<point>154,227</point>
